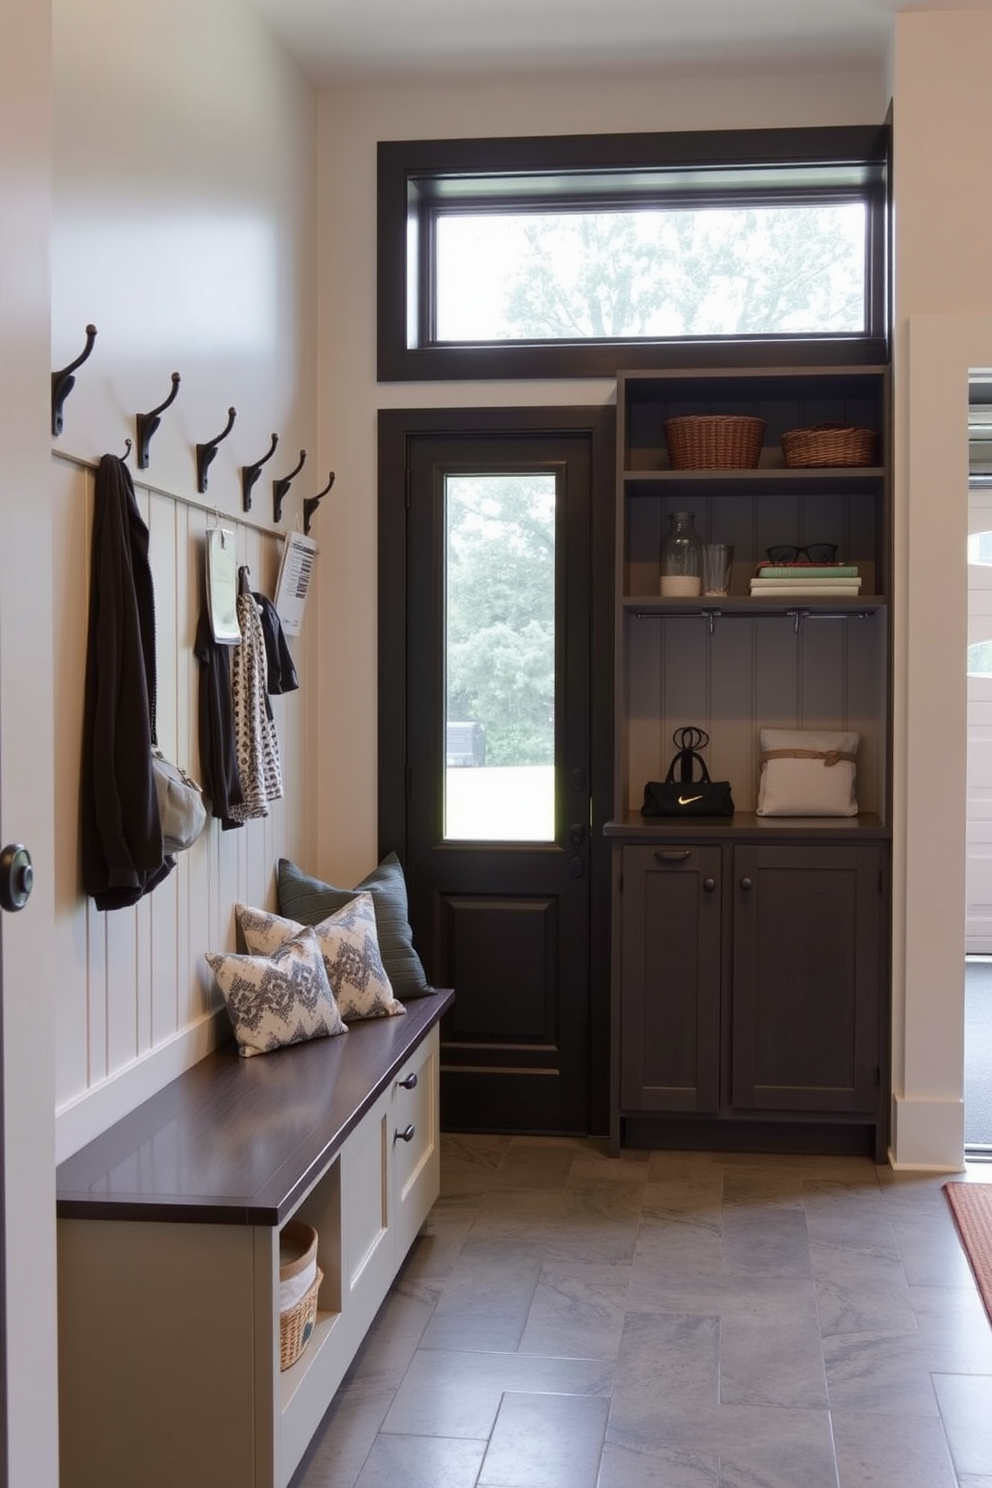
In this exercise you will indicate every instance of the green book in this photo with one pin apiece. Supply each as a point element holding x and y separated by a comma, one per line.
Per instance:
<point>807,571</point>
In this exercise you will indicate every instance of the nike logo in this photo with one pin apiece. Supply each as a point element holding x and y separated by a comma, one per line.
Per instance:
<point>688,800</point>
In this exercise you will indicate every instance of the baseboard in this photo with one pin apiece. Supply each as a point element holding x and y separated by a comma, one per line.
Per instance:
<point>927,1135</point>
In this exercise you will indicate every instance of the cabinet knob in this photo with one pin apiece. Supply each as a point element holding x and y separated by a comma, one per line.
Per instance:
<point>746,884</point>
<point>405,1134</point>
<point>410,1083</point>
<point>709,884</point>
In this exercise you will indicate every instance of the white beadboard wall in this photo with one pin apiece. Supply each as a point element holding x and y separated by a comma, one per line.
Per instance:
<point>187,236</point>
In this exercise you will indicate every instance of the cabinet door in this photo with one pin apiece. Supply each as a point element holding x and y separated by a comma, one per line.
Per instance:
<point>670,979</point>
<point>806,986</point>
<point>416,1153</point>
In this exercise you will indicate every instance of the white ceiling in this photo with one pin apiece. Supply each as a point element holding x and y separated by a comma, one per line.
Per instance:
<point>337,41</point>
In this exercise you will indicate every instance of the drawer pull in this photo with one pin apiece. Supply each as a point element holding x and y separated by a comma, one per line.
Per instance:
<point>406,1133</point>
<point>746,883</point>
<point>672,855</point>
<point>410,1083</point>
<point>709,884</point>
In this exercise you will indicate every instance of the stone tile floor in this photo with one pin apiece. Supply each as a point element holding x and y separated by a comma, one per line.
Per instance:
<point>670,1320</point>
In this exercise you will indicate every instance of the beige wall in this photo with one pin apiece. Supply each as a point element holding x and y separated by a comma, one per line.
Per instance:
<point>184,228</point>
<point>943,307</point>
<point>352,121</point>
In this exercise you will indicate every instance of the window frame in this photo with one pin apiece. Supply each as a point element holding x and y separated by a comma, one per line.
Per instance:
<point>416,176</point>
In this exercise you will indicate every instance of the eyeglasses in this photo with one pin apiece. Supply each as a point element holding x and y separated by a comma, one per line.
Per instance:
<point>813,552</point>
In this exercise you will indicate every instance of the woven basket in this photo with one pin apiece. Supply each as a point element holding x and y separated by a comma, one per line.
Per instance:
<point>714,441</point>
<point>297,1256</point>
<point>297,1325</point>
<point>830,444</point>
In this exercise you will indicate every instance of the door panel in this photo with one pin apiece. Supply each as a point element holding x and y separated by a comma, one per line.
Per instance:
<point>498,743</point>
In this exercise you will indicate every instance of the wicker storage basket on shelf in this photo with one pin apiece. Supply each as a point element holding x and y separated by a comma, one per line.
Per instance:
<point>297,1267</point>
<point>714,441</point>
<point>830,444</point>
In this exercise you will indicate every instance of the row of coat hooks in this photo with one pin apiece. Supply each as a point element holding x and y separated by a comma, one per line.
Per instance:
<point>146,424</point>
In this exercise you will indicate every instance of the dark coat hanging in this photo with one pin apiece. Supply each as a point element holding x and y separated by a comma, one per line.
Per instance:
<point>120,829</point>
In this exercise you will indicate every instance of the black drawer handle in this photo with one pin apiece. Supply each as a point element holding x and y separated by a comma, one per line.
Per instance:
<point>407,1133</point>
<point>709,884</point>
<point>410,1083</point>
<point>672,855</point>
<point>746,883</point>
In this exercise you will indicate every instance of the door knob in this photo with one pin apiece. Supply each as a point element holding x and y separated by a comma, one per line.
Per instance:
<point>16,876</point>
<point>746,883</point>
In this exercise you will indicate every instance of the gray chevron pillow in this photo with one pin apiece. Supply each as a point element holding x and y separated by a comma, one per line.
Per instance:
<point>280,999</point>
<point>349,944</point>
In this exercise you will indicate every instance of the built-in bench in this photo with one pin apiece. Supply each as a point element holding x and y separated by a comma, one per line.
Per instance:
<point>168,1252</point>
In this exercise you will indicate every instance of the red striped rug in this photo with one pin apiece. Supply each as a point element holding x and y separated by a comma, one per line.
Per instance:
<point>971,1205</point>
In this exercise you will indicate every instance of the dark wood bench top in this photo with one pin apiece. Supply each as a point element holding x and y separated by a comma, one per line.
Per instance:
<point>239,1141</point>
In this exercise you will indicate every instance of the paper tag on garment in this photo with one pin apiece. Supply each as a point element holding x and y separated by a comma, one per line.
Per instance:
<point>222,586</point>
<point>295,572</point>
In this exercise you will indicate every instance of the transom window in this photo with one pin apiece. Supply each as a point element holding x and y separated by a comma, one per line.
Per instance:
<point>575,256</point>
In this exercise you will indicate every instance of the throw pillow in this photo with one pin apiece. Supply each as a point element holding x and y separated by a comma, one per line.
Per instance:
<point>310,901</point>
<point>349,946</point>
<point>280,999</point>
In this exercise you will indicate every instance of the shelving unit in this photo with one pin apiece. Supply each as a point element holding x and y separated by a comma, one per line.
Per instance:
<point>698,1029</point>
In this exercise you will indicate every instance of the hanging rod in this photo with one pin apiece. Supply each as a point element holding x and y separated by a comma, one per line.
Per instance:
<point>82,463</point>
<point>798,616</point>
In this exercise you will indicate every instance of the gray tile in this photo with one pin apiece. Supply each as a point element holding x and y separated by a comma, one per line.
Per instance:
<point>931,1251</point>
<point>860,1291</point>
<point>884,1375</point>
<point>771,1352</point>
<point>546,1441</point>
<point>487,1298</point>
<point>966,1408</point>
<point>392,1340</point>
<point>346,1435</point>
<point>422,1462</point>
<point>667,1362</point>
<point>577,1311</point>
<point>776,1449</point>
<point>772,1242</point>
<point>672,1251</point>
<point>446,1393</point>
<point>658,1467</point>
<point>694,1198</point>
<point>954,1330</point>
<point>891,1451</point>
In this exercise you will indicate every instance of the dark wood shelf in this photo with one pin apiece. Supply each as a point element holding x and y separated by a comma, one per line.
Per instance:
<point>746,826</point>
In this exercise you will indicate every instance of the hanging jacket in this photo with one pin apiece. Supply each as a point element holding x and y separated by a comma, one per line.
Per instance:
<point>255,734</point>
<point>218,754</point>
<point>280,668</point>
<point>120,829</point>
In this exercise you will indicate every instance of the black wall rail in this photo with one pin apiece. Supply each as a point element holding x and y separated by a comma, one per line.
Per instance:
<point>250,474</point>
<point>146,423</point>
<point>311,504</point>
<point>63,382</point>
<point>280,488</point>
<point>205,452</point>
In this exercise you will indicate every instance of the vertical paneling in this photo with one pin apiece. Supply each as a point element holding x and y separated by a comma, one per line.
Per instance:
<point>133,981</point>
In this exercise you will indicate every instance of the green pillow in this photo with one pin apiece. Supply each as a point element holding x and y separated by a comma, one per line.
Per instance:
<point>310,901</point>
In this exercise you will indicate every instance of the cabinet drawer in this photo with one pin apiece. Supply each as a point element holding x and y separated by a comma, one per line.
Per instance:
<point>414,1138</point>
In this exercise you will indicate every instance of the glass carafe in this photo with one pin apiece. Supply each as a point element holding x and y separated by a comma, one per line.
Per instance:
<point>681,558</point>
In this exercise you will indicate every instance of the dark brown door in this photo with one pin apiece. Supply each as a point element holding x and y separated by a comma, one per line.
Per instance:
<point>500,845</point>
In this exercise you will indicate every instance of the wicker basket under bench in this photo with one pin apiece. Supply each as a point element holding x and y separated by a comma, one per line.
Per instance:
<point>168,1252</point>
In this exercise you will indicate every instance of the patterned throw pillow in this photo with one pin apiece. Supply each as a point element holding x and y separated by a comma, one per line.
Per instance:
<point>280,999</point>
<point>310,900</point>
<point>349,945</point>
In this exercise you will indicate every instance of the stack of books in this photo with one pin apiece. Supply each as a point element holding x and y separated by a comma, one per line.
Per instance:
<point>809,580</point>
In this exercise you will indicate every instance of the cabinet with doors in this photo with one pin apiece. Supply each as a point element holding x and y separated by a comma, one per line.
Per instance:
<point>749,998</point>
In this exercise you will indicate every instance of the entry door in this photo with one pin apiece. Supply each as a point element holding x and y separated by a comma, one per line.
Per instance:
<point>499,767</point>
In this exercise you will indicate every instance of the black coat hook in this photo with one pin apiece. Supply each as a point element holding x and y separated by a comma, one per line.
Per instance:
<point>250,474</point>
<point>280,487</point>
<point>63,382</point>
<point>311,504</point>
<point>146,423</point>
<point>205,452</point>
<point>127,450</point>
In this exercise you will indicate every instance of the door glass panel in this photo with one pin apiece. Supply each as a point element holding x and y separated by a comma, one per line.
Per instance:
<point>499,657</point>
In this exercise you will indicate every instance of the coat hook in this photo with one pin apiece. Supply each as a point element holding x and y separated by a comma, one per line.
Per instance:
<point>127,450</point>
<point>205,452</point>
<point>311,504</point>
<point>63,382</point>
<point>250,474</point>
<point>146,423</point>
<point>280,487</point>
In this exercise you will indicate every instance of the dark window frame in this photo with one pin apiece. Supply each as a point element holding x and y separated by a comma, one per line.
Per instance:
<point>416,176</point>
